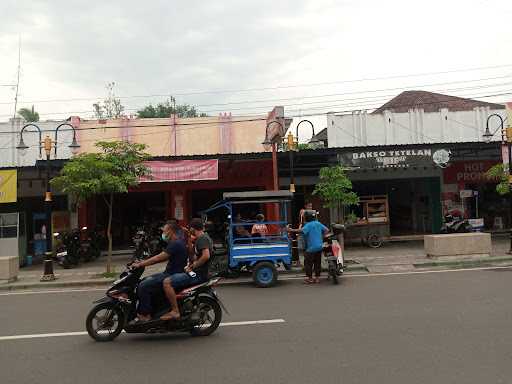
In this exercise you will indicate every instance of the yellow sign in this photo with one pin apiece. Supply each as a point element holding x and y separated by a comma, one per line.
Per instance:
<point>8,186</point>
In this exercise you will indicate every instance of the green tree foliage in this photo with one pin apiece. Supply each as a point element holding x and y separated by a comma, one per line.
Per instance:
<point>335,189</point>
<point>29,115</point>
<point>500,173</point>
<point>168,108</point>
<point>111,108</point>
<point>117,167</point>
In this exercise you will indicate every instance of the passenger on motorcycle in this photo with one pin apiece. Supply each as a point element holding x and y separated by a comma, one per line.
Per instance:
<point>176,256</point>
<point>196,271</point>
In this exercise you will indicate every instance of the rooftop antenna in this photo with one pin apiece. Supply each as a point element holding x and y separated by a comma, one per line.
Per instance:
<point>13,150</point>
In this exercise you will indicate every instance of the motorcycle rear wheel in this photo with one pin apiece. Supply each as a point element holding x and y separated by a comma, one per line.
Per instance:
<point>333,273</point>
<point>206,308</point>
<point>105,322</point>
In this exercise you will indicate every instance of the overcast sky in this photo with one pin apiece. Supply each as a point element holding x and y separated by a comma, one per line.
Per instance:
<point>71,49</point>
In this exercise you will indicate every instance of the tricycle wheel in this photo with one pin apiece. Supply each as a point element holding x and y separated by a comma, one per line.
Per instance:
<point>264,274</point>
<point>374,241</point>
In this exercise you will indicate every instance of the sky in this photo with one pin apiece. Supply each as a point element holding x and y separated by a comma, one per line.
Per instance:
<point>246,56</point>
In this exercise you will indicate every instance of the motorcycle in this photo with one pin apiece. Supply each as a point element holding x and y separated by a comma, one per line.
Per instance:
<point>87,253</point>
<point>140,242</point>
<point>455,224</point>
<point>334,254</point>
<point>200,308</point>
<point>68,248</point>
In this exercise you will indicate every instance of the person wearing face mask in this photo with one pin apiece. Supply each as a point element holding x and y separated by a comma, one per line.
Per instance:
<point>176,256</point>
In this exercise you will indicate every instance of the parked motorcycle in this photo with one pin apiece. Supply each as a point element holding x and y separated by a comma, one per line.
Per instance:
<point>68,248</point>
<point>334,254</point>
<point>200,308</point>
<point>141,245</point>
<point>455,224</point>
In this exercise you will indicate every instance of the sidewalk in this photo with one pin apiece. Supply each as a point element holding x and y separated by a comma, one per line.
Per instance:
<point>390,258</point>
<point>409,256</point>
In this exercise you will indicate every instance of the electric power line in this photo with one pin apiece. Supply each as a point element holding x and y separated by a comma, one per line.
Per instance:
<point>182,93</point>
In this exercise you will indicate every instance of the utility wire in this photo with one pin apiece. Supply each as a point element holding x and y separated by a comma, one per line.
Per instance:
<point>182,93</point>
<point>479,86</point>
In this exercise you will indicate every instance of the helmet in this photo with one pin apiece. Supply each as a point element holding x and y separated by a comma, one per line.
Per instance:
<point>309,215</point>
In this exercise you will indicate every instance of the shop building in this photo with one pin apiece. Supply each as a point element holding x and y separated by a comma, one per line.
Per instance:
<point>409,154</point>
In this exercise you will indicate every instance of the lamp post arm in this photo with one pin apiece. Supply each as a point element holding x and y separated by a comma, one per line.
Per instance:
<point>502,123</point>
<point>57,131</point>
<point>297,128</point>
<point>40,134</point>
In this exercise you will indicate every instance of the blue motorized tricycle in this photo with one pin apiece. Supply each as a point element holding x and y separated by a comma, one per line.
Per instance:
<point>256,235</point>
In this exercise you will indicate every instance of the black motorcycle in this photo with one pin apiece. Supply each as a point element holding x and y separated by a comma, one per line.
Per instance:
<point>141,244</point>
<point>68,248</point>
<point>200,308</point>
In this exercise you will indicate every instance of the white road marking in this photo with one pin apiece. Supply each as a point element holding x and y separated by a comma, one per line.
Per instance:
<point>62,334</point>
<point>284,278</point>
<point>254,322</point>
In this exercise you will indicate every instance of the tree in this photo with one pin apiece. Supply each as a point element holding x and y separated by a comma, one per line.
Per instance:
<point>335,189</point>
<point>168,108</point>
<point>111,108</point>
<point>29,115</point>
<point>117,167</point>
<point>500,173</point>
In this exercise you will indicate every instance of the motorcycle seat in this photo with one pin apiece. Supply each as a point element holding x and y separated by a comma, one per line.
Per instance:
<point>187,290</point>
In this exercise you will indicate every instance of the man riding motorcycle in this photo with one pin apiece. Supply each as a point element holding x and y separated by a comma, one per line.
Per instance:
<point>196,271</point>
<point>176,256</point>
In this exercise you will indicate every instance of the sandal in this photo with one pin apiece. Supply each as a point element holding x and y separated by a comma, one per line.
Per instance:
<point>170,316</point>
<point>316,280</point>
<point>308,280</point>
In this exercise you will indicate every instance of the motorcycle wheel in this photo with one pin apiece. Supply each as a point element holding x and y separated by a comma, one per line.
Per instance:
<point>105,322</point>
<point>374,241</point>
<point>333,273</point>
<point>211,315</point>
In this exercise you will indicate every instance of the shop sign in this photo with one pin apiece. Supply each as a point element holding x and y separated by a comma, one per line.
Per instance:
<point>182,170</point>
<point>8,186</point>
<point>397,158</point>
<point>468,172</point>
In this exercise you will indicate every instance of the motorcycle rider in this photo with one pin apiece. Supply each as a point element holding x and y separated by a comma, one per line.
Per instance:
<point>196,271</point>
<point>176,256</point>
<point>314,233</point>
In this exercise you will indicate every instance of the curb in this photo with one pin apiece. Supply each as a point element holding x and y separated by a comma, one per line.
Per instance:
<point>463,263</point>
<point>16,286</point>
<point>56,284</point>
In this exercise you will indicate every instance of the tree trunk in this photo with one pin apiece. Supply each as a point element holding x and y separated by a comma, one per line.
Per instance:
<point>109,234</point>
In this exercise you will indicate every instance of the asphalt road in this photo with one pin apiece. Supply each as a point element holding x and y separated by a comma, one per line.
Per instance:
<point>450,327</point>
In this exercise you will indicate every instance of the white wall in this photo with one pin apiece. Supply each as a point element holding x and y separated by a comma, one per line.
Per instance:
<point>413,127</point>
<point>9,139</point>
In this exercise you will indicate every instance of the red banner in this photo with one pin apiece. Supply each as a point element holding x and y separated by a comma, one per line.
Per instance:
<point>471,172</point>
<point>182,170</point>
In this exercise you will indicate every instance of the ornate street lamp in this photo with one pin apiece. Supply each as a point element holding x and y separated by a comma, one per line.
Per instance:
<point>47,144</point>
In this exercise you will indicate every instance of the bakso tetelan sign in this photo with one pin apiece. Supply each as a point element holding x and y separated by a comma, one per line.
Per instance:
<point>396,158</point>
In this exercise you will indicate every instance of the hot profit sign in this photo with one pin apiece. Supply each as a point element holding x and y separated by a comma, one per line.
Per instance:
<point>182,170</point>
<point>397,158</point>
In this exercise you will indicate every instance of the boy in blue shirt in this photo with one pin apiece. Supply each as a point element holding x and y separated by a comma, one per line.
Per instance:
<point>314,233</point>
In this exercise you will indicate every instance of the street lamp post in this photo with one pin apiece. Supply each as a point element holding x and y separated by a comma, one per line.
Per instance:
<point>293,145</point>
<point>269,143</point>
<point>47,144</point>
<point>508,138</point>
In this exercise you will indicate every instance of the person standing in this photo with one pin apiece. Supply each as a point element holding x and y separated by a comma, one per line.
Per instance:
<point>313,232</point>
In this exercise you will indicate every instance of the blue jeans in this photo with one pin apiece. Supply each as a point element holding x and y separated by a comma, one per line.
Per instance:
<point>147,288</point>
<point>180,281</point>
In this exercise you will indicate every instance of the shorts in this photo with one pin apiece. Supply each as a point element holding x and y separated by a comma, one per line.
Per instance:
<point>181,281</point>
